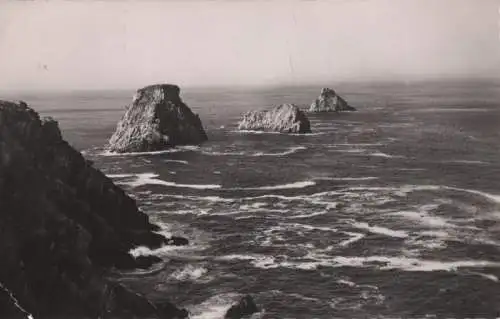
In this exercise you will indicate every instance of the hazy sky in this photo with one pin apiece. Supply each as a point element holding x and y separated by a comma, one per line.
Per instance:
<point>127,44</point>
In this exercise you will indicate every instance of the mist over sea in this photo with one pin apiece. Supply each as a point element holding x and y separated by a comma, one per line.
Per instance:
<point>391,211</point>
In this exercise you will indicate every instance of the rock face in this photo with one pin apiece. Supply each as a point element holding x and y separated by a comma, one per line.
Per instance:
<point>63,224</point>
<point>156,120</point>
<point>245,307</point>
<point>329,101</point>
<point>286,118</point>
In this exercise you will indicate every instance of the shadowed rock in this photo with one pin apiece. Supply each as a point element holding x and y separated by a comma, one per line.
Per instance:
<point>63,224</point>
<point>157,119</point>
<point>245,307</point>
<point>329,101</point>
<point>285,118</point>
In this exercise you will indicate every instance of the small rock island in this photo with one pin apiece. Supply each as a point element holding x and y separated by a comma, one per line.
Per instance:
<point>285,118</point>
<point>329,101</point>
<point>157,119</point>
<point>63,226</point>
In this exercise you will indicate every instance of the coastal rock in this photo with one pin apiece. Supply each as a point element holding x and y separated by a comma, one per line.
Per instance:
<point>157,119</point>
<point>285,118</point>
<point>245,307</point>
<point>329,101</point>
<point>63,226</point>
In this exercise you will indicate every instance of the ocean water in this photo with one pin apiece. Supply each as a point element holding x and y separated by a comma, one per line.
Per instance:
<point>389,212</point>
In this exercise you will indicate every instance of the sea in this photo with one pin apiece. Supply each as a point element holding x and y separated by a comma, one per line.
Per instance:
<point>392,211</point>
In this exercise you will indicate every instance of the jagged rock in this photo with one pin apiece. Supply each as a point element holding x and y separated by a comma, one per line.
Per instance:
<point>156,120</point>
<point>245,307</point>
<point>286,118</point>
<point>63,224</point>
<point>329,101</point>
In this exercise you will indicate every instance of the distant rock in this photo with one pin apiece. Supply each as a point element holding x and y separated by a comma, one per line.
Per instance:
<point>63,226</point>
<point>245,307</point>
<point>285,118</point>
<point>157,120</point>
<point>329,101</point>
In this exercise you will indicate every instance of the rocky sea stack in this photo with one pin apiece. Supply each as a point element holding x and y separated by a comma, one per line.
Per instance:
<point>63,226</point>
<point>285,118</point>
<point>157,119</point>
<point>329,101</point>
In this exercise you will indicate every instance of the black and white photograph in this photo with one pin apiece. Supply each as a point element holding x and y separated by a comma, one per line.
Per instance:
<point>249,159</point>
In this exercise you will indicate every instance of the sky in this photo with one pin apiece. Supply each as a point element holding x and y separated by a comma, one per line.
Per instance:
<point>50,45</point>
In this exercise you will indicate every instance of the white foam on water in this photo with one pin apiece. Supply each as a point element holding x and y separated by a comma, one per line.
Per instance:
<point>306,134</point>
<point>211,199</point>
<point>346,282</point>
<point>467,162</point>
<point>290,151</point>
<point>215,153</point>
<point>354,238</point>
<point>384,155</point>
<point>381,262</point>
<point>302,184</point>
<point>167,250</point>
<point>353,151</point>
<point>425,219</point>
<point>310,227</point>
<point>177,161</point>
<point>381,230</point>
<point>485,276</point>
<point>284,153</point>
<point>120,175</point>
<point>214,307</point>
<point>189,273</point>
<point>254,132</point>
<point>187,148</point>
<point>308,215</point>
<point>411,264</point>
<point>365,178</point>
<point>151,179</point>
<point>354,144</point>
<point>255,205</point>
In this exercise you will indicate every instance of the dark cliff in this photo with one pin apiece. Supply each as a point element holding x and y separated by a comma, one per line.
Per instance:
<point>63,225</point>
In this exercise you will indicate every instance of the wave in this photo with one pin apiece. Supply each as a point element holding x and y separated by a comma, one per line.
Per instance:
<point>189,273</point>
<point>270,132</point>
<point>254,132</point>
<point>467,162</point>
<point>177,161</point>
<point>284,153</point>
<point>405,189</point>
<point>354,238</point>
<point>366,178</point>
<point>380,262</point>
<point>120,175</point>
<point>167,250</point>
<point>187,148</point>
<point>151,179</point>
<point>290,151</point>
<point>353,144</point>
<point>381,230</point>
<point>308,215</point>
<point>384,155</point>
<point>424,218</point>
<point>214,307</point>
<point>295,185</point>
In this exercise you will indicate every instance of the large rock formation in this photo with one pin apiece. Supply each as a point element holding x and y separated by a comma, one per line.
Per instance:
<point>63,224</point>
<point>156,120</point>
<point>329,101</point>
<point>286,118</point>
